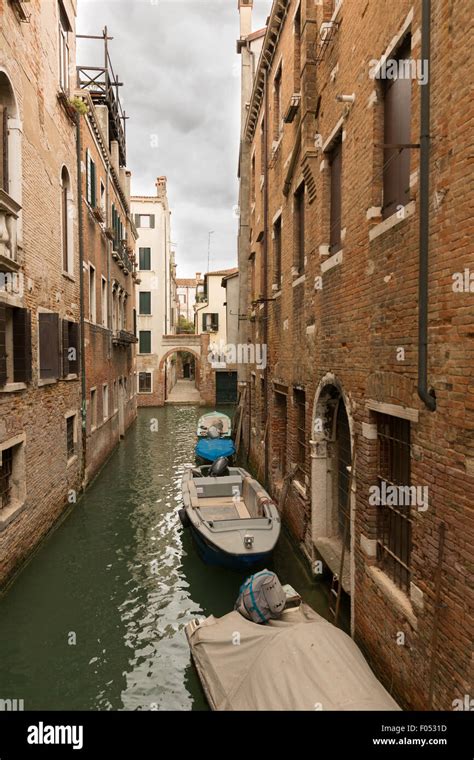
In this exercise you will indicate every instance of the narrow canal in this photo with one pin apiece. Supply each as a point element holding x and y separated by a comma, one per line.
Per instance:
<point>95,620</point>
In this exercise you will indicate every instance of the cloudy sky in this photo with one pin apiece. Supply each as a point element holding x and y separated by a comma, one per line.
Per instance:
<point>181,74</point>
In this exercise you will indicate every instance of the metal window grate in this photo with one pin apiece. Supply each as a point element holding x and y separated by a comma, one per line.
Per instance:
<point>70,437</point>
<point>6,470</point>
<point>394,521</point>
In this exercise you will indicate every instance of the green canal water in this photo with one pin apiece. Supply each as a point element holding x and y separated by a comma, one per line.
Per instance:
<point>120,578</point>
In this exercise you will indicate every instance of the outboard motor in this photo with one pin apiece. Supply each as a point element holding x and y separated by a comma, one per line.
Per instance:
<point>219,468</point>
<point>261,598</point>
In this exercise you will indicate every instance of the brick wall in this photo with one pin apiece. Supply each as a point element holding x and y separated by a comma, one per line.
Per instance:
<point>336,330</point>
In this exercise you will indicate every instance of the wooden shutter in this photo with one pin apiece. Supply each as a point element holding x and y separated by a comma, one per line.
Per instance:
<point>3,347</point>
<point>93,185</point>
<point>335,215</point>
<point>21,346</point>
<point>66,344</point>
<point>49,345</point>
<point>152,221</point>
<point>300,228</point>
<point>137,220</point>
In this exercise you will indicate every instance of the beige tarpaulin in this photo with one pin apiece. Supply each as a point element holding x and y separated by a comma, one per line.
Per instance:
<point>300,662</point>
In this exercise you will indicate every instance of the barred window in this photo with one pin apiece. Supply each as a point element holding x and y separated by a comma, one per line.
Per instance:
<point>70,444</point>
<point>144,382</point>
<point>6,469</point>
<point>394,520</point>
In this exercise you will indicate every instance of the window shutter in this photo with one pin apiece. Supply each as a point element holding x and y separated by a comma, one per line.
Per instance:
<point>49,345</point>
<point>21,346</point>
<point>93,185</point>
<point>397,131</point>
<point>152,221</point>
<point>137,220</point>
<point>4,148</point>
<point>88,180</point>
<point>204,323</point>
<point>3,348</point>
<point>65,352</point>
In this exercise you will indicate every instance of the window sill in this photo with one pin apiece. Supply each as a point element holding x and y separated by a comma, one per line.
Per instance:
<point>69,276</point>
<point>13,387</point>
<point>71,460</point>
<point>48,381</point>
<point>72,376</point>
<point>332,261</point>
<point>392,221</point>
<point>8,514</point>
<point>393,594</point>
<point>299,488</point>
<point>299,280</point>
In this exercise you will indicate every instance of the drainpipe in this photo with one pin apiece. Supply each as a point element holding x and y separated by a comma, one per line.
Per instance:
<point>265,276</point>
<point>425,394</point>
<point>81,293</point>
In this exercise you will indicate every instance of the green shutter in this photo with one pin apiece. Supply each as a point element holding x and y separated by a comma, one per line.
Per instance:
<point>93,184</point>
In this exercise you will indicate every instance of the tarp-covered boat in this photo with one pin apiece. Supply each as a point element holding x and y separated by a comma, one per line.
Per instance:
<point>234,521</point>
<point>297,662</point>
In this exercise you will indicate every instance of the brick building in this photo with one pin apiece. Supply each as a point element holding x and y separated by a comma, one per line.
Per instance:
<point>40,389</point>
<point>355,232</point>
<point>108,242</point>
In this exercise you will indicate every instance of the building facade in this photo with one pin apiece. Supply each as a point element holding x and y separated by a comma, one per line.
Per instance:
<point>40,388</point>
<point>109,269</point>
<point>352,248</point>
<point>186,296</point>
<point>156,292</point>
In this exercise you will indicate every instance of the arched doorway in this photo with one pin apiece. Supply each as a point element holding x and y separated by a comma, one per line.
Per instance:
<point>332,506</point>
<point>181,377</point>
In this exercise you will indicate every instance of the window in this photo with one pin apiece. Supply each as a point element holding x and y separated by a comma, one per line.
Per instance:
<point>48,345</point>
<point>210,322</point>
<point>92,294</point>
<point>279,424</point>
<point>105,402</point>
<point>115,397</point>
<point>118,230</point>
<point>15,345</point>
<point>91,180</point>
<point>263,409</point>
<point>394,520</point>
<point>66,220</point>
<point>6,471</point>
<point>145,302</point>
<point>93,409</point>
<point>277,122</point>
<point>64,29</point>
<point>145,342</point>
<point>12,477</point>
<point>299,229</point>
<point>104,301</point>
<point>4,184</point>
<point>300,409</point>
<point>70,436</point>
<point>144,257</point>
<point>144,382</point>
<point>335,162</point>
<point>102,196</point>
<point>254,180</point>
<point>297,51</point>
<point>277,253</point>
<point>70,348</point>
<point>262,148</point>
<point>397,131</point>
<point>146,221</point>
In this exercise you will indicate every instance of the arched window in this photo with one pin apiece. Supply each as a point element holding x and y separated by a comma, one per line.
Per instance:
<point>67,211</point>
<point>10,170</point>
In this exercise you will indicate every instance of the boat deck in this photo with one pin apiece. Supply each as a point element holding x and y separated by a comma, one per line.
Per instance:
<point>223,508</point>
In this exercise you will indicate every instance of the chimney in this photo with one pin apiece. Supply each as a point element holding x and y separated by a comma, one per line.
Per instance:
<point>102,114</point>
<point>114,155</point>
<point>128,180</point>
<point>161,187</point>
<point>198,276</point>
<point>245,11</point>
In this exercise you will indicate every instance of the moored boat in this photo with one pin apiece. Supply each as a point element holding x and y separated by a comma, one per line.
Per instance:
<point>214,434</point>
<point>234,521</point>
<point>297,660</point>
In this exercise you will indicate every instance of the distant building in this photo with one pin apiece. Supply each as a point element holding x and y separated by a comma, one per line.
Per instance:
<point>211,317</point>
<point>186,294</point>
<point>156,299</point>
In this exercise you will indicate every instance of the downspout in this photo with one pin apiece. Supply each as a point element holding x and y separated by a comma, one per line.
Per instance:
<point>265,278</point>
<point>425,394</point>
<point>81,294</point>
